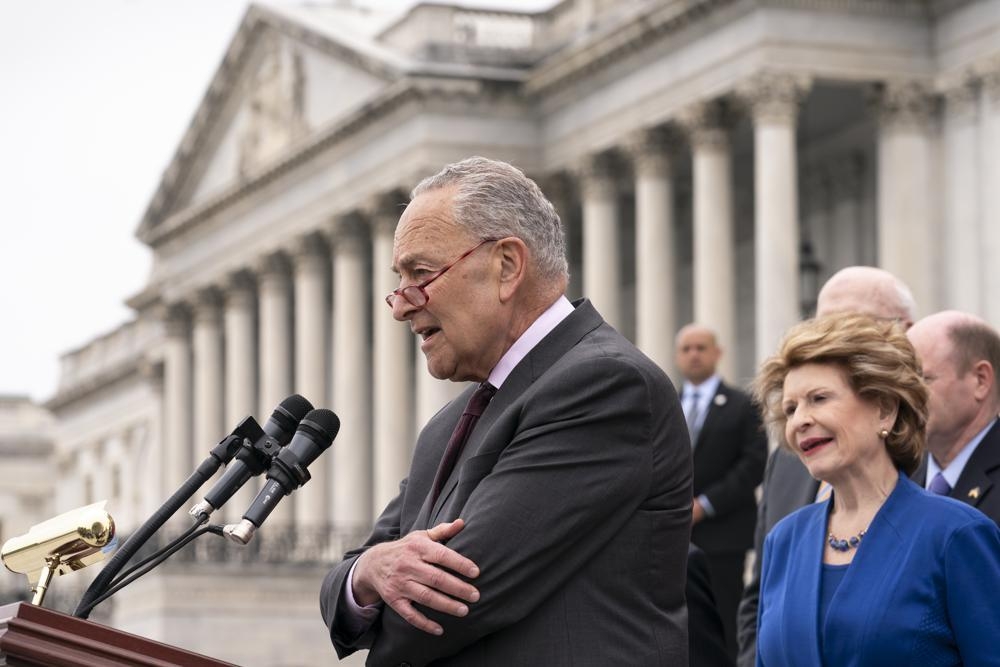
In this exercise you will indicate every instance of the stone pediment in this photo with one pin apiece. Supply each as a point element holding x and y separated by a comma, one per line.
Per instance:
<point>288,73</point>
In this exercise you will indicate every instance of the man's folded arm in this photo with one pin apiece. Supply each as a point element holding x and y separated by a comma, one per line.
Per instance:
<point>571,477</point>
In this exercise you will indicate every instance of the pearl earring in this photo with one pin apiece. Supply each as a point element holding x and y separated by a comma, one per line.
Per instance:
<point>883,434</point>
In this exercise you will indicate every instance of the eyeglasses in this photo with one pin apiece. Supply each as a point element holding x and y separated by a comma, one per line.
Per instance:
<point>416,295</point>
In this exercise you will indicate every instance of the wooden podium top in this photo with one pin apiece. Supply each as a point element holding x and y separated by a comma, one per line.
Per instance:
<point>33,636</point>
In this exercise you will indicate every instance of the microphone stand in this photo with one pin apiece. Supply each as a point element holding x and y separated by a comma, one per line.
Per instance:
<point>248,431</point>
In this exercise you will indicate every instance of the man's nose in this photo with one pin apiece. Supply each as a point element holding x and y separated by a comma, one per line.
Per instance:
<point>402,309</point>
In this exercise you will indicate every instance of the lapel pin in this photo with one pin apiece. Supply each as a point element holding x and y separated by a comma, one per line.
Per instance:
<point>974,493</point>
<point>720,400</point>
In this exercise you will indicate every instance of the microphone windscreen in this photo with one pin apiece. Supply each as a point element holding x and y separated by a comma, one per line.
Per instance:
<point>324,422</point>
<point>287,416</point>
<point>297,406</point>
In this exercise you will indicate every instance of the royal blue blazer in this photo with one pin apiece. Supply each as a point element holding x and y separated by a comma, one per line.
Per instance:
<point>923,588</point>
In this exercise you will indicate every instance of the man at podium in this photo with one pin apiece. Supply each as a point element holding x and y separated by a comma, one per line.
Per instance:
<point>546,514</point>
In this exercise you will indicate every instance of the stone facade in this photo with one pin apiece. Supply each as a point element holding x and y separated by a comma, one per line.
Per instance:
<point>700,154</point>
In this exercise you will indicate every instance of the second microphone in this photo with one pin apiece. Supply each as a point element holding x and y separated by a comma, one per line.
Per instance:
<point>288,470</point>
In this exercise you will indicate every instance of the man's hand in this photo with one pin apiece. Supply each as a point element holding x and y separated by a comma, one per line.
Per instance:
<point>417,568</point>
<point>697,512</point>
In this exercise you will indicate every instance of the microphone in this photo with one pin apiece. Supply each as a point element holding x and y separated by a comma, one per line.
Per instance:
<point>288,471</point>
<point>254,457</point>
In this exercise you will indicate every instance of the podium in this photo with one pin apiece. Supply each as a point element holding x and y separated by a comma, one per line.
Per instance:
<point>32,636</point>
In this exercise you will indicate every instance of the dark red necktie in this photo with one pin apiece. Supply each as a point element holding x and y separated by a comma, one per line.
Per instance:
<point>475,407</point>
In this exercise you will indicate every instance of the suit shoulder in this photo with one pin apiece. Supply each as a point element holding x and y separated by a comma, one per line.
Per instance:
<point>606,349</point>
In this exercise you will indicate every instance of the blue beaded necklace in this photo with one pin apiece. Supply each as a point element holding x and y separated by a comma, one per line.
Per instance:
<point>838,544</point>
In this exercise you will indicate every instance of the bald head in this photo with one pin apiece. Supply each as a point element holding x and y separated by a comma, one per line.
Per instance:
<point>959,353</point>
<point>698,353</point>
<point>869,291</point>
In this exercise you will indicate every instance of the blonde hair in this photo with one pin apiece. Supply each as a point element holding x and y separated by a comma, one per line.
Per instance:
<point>880,366</point>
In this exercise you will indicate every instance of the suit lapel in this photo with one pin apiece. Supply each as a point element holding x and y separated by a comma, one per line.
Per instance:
<point>715,412</point>
<point>550,349</point>
<point>974,482</point>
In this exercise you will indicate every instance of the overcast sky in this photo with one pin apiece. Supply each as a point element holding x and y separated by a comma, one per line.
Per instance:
<point>94,98</point>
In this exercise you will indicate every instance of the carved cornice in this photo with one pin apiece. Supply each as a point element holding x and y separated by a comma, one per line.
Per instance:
<point>774,97</point>
<point>961,94</point>
<point>88,388</point>
<point>560,188</point>
<point>349,234</point>
<point>224,83</point>
<point>903,104</point>
<point>651,149</point>
<point>273,270</point>
<point>309,251</point>
<point>177,320</point>
<point>605,48</point>
<point>989,73</point>
<point>663,20</point>
<point>384,209</point>
<point>240,289</point>
<point>598,175</point>
<point>208,306</point>
<point>398,95</point>
<point>708,123</point>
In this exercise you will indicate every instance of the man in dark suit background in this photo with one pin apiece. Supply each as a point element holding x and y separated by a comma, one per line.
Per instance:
<point>787,484</point>
<point>960,355</point>
<point>557,533</point>
<point>729,449</point>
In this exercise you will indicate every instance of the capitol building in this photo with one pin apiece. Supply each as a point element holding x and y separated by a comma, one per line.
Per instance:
<point>711,160</point>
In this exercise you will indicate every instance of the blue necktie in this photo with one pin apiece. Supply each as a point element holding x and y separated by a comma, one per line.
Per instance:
<point>939,485</point>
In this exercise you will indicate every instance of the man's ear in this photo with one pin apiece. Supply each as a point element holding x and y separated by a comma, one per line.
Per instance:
<point>983,371</point>
<point>513,255</point>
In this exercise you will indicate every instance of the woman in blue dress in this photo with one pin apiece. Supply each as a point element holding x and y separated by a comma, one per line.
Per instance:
<point>881,572</point>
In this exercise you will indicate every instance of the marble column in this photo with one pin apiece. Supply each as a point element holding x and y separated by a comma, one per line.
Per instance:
<point>774,100</point>
<point>240,371</point>
<point>148,444</point>
<point>655,251</point>
<point>312,317</point>
<point>177,391</point>
<point>962,239</point>
<point>990,188</point>
<point>352,458</point>
<point>714,256</point>
<point>906,202</point>
<point>392,422</point>
<point>209,423</point>
<point>560,189</point>
<point>601,253</point>
<point>847,235</point>
<point>274,285</point>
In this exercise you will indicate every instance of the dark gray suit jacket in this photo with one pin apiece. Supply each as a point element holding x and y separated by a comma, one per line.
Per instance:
<point>979,483</point>
<point>787,487</point>
<point>575,487</point>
